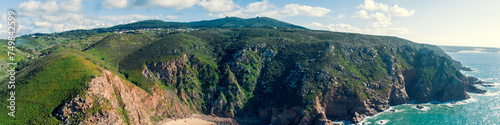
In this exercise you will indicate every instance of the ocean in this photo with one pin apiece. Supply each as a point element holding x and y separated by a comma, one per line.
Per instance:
<point>480,109</point>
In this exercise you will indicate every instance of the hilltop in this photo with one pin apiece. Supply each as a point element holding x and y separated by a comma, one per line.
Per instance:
<point>228,22</point>
<point>254,71</point>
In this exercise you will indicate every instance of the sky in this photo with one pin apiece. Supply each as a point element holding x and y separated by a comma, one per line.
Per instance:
<point>438,22</point>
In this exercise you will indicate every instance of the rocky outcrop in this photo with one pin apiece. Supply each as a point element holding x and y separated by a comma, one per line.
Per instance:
<point>111,100</point>
<point>247,88</point>
<point>297,77</point>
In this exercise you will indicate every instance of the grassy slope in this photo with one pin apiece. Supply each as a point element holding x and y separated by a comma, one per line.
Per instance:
<point>115,47</point>
<point>166,49</point>
<point>60,77</point>
<point>20,55</point>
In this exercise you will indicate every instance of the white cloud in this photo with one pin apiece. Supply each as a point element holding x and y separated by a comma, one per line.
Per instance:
<point>261,6</point>
<point>375,17</point>
<point>381,24</point>
<point>1,26</point>
<point>128,17</point>
<point>362,14</point>
<point>373,6</point>
<point>342,27</point>
<point>29,5</point>
<point>3,17</point>
<point>296,10</point>
<point>53,16</point>
<point>264,8</point>
<point>58,16</point>
<point>114,4</point>
<point>381,16</point>
<point>42,24</point>
<point>380,19</point>
<point>49,7</point>
<point>173,4</point>
<point>57,27</point>
<point>171,16</point>
<point>145,4</point>
<point>217,5</point>
<point>340,16</point>
<point>30,8</point>
<point>71,5</point>
<point>236,13</point>
<point>401,12</point>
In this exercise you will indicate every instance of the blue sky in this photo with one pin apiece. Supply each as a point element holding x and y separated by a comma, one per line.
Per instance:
<point>439,22</point>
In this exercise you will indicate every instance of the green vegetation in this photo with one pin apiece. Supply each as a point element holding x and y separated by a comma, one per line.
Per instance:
<point>115,47</point>
<point>60,78</point>
<point>230,22</point>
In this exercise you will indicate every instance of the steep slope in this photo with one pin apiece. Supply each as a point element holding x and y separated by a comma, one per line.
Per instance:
<point>51,81</point>
<point>111,100</point>
<point>114,47</point>
<point>69,87</point>
<point>297,75</point>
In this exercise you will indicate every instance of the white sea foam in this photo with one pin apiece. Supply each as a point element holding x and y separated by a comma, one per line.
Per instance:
<point>385,111</point>
<point>448,104</point>
<point>382,122</point>
<point>470,100</point>
<point>495,85</point>
<point>487,79</point>
<point>426,108</point>
<point>398,110</point>
<point>492,93</point>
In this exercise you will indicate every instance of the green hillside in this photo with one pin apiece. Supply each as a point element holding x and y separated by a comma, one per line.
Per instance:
<point>229,22</point>
<point>52,81</point>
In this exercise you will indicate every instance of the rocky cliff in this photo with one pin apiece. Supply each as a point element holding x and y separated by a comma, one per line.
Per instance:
<point>284,81</point>
<point>251,75</point>
<point>111,100</point>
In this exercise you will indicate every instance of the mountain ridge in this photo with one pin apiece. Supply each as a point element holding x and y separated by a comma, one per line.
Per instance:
<point>228,22</point>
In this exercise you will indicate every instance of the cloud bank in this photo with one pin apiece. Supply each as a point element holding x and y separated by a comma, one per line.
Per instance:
<point>378,14</point>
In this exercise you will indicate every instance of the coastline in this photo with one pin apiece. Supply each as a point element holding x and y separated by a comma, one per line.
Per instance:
<point>413,105</point>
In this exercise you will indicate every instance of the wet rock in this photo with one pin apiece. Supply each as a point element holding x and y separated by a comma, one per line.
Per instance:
<point>420,107</point>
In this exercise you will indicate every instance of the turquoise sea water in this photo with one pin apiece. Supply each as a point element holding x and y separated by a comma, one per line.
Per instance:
<point>480,109</point>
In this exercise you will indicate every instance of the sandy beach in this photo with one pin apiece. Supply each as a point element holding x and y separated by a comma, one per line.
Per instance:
<point>187,121</point>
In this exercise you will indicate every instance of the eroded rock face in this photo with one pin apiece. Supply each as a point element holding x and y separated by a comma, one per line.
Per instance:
<point>247,85</point>
<point>111,100</point>
<point>398,93</point>
<point>167,72</point>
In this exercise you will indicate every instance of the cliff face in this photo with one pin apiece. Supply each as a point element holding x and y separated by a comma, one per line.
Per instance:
<point>267,76</point>
<point>111,100</point>
<point>334,81</point>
